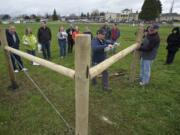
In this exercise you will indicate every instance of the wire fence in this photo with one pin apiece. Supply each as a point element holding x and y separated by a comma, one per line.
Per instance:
<point>70,129</point>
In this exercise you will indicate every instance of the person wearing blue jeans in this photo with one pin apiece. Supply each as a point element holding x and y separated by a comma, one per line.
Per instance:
<point>62,47</point>
<point>98,49</point>
<point>46,50</point>
<point>145,71</point>
<point>62,39</point>
<point>148,50</point>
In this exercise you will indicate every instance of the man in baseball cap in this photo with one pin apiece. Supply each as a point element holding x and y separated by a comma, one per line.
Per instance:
<point>99,55</point>
<point>149,51</point>
<point>154,28</point>
<point>101,31</point>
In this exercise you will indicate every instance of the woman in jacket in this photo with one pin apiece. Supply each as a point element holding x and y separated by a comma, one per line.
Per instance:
<point>62,39</point>
<point>13,41</point>
<point>75,33</point>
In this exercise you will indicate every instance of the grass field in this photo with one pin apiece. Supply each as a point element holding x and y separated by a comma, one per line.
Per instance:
<point>132,110</point>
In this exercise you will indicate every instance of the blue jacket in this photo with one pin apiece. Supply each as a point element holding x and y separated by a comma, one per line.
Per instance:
<point>99,54</point>
<point>10,40</point>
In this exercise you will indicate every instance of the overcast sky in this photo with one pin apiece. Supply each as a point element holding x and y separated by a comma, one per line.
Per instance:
<point>66,7</point>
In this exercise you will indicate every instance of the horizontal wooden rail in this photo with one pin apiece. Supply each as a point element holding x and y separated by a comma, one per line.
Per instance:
<point>94,71</point>
<point>55,67</point>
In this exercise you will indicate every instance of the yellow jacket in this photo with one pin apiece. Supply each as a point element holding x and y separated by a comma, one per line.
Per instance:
<point>30,42</point>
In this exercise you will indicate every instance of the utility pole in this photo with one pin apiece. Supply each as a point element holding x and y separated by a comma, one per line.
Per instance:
<point>171,18</point>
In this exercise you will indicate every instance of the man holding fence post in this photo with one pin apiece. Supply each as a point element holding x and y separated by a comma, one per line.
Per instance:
<point>99,55</point>
<point>148,50</point>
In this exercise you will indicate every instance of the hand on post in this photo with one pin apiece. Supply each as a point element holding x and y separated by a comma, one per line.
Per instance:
<point>110,46</point>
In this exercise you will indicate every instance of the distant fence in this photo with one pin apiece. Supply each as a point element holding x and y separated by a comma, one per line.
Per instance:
<point>176,24</point>
<point>82,73</point>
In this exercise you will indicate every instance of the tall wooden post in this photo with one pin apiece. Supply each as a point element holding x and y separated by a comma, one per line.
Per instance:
<point>136,55</point>
<point>8,59</point>
<point>82,64</point>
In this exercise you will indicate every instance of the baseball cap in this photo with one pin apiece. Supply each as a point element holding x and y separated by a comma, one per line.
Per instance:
<point>155,26</point>
<point>43,21</point>
<point>101,31</point>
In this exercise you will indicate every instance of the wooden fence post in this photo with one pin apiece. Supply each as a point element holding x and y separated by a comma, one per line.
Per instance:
<point>8,59</point>
<point>136,55</point>
<point>82,65</point>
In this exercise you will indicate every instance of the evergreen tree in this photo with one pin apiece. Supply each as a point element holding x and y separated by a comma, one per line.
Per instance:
<point>102,14</point>
<point>151,9</point>
<point>159,6</point>
<point>47,16</point>
<point>88,16</point>
<point>54,16</point>
<point>6,17</point>
<point>83,15</point>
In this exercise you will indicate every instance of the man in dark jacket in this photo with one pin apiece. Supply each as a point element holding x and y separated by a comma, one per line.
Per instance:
<point>70,31</point>
<point>13,41</point>
<point>107,30</point>
<point>149,50</point>
<point>99,55</point>
<point>88,32</point>
<point>44,38</point>
<point>173,42</point>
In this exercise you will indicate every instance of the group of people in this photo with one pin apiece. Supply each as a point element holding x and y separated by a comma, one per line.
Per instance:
<point>65,38</point>
<point>149,49</point>
<point>105,38</point>
<point>44,37</point>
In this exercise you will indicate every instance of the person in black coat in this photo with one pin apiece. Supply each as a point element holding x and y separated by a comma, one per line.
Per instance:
<point>88,32</point>
<point>13,41</point>
<point>173,42</point>
<point>44,38</point>
<point>70,31</point>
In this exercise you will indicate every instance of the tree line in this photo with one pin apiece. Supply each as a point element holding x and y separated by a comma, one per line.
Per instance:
<point>150,11</point>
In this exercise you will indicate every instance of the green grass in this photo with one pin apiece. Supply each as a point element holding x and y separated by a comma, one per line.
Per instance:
<point>152,110</point>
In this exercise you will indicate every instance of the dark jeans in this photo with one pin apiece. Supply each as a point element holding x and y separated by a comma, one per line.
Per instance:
<point>70,45</point>
<point>62,47</point>
<point>46,50</point>
<point>32,52</point>
<point>105,82</point>
<point>170,56</point>
<point>16,60</point>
